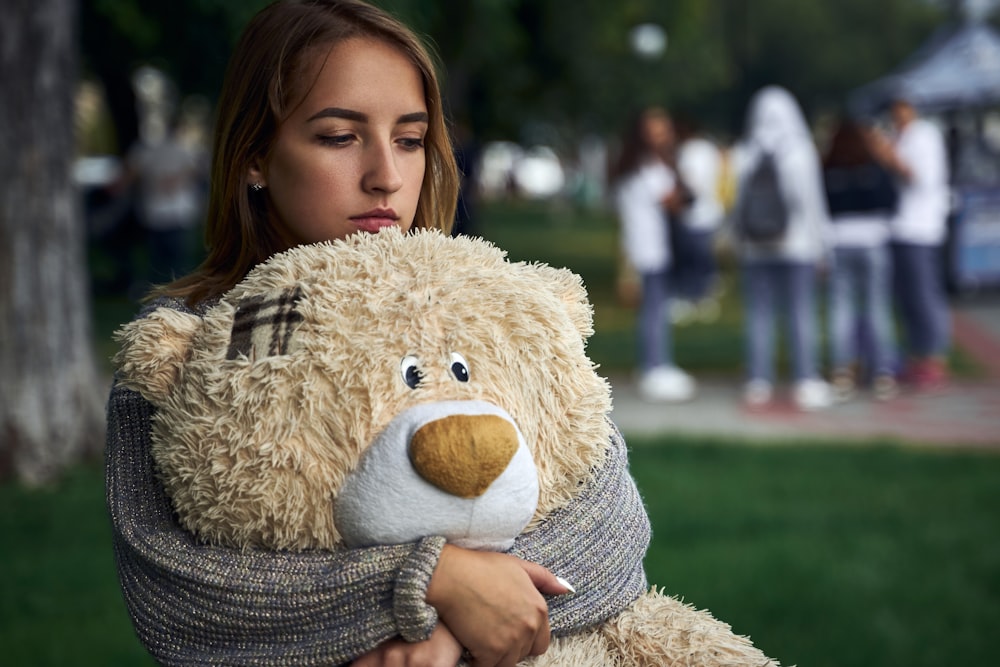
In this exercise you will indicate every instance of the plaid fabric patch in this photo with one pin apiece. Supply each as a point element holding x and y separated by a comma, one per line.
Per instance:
<point>263,325</point>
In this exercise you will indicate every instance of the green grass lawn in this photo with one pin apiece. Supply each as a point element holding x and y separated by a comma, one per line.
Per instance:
<point>828,555</point>
<point>825,555</point>
<point>60,603</point>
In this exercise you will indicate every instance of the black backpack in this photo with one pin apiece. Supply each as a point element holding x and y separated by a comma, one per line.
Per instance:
<point>763,212</point>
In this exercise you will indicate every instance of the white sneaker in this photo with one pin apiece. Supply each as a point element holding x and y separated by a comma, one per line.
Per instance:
<point>843,385</point>
<point>812,394</point>
<point>885,388</point>
<point>666,384</point>
<point>757,393</point>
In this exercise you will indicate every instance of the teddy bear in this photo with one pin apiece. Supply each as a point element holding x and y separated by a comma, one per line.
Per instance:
<point>386,387</point>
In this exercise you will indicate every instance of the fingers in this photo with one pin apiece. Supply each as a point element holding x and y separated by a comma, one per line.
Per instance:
<point>440,650</point>
<point>512,657</point>
<point>494,604</point>
<point>508,645</point>
<point>542,639</point>
<point>546,582</point>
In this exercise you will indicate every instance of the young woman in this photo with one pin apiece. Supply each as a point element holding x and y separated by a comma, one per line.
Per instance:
<point>330,124</point>
<point>646,195</point>
<point>780,273</point>
<point>861,197</point>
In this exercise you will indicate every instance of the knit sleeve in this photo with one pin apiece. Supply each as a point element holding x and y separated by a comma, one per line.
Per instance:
<point>193,604</point>
<point>597,543</point>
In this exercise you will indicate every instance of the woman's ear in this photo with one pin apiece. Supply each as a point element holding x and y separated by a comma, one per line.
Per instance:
<point>255,175</point>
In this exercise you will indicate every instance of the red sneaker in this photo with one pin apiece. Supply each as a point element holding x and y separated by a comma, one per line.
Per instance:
<point>928,375</point>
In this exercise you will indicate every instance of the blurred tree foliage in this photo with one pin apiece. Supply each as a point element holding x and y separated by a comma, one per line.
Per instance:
<point>190,40</point>
<point>547,70</point>
<point>516,63</point>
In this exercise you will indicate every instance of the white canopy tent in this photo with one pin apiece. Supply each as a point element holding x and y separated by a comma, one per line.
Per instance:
<point>955,76</point>
<point>956,69</point>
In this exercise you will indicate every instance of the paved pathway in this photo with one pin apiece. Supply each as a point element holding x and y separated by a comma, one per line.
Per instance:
<point>966,414</point>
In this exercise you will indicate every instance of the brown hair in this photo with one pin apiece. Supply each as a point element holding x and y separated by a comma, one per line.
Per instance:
<point>265,79</point>
<point>634,147</point>
<point>849,145</point>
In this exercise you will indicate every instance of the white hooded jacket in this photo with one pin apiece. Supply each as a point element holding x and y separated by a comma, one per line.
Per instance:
<point>645,227</point>
<point>775,125</point>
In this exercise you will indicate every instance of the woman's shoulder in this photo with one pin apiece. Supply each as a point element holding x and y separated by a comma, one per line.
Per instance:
<point>647,180</point>
<point>921,134</point>
<point>656,175</point>
<point>174,303</point>
<point>800,163</point>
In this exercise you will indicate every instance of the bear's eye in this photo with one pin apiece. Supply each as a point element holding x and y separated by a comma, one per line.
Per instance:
<point>410,372</point>
<point>459,367</point>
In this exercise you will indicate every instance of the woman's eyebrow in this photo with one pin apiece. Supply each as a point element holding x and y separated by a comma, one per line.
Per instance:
<point>337,112</point>
<point>349,114</point>
<point>415,117</point>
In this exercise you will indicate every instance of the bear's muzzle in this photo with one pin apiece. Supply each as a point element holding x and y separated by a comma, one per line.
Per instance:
<point>459,469</point>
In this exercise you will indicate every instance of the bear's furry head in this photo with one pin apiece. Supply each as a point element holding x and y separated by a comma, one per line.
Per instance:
<point>267,404</point>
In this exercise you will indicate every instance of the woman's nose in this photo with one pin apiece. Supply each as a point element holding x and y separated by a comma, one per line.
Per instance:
<point>381,173</point>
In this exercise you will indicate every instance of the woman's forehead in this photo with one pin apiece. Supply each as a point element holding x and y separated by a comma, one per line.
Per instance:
<point>362,68</point>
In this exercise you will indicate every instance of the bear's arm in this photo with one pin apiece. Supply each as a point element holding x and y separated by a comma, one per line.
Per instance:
<point>196,604</point>
<point>597,542</point>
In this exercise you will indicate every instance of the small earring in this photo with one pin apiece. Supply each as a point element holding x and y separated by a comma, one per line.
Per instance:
<point>256,187</point>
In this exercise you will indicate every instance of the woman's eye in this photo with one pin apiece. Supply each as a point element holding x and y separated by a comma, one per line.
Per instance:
<point>410,371</point>
<point>459,367</point>
<point>412,144</point>
<point>335,139</point>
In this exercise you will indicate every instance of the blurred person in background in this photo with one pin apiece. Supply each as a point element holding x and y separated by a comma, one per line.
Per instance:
<point>699,168</point>
<point>861,197</point>
<point>169,180</point>
<point>779,270</point>
<point>918,157</point>
<point>646,195</point>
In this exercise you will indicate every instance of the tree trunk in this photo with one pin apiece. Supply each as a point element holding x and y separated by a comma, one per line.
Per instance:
<point>50,397</point>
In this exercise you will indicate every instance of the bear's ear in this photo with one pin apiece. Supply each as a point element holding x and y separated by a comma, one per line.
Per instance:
<point>568,286</point>
<point>153,350</point>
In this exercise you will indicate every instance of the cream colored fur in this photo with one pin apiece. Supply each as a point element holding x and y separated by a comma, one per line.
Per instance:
<point>252,450</point>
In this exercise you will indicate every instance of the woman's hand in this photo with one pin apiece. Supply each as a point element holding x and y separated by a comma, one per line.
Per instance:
<point>679,199</point>
<point>493,604</point>
<point>881,148</point>
<point>441,649</point>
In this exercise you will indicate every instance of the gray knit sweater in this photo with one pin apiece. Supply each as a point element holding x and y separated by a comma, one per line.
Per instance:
<point>194,604</point>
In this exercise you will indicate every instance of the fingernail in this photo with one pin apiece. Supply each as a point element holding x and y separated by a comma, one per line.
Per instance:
<point>566,584</point>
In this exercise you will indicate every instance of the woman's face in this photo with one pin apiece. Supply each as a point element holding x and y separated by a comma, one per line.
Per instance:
<point>657,130</point>
<point>902,114</point>
<point>350,157</point>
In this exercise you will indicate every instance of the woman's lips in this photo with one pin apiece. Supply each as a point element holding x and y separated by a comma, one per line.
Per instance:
<point>372,221</point>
